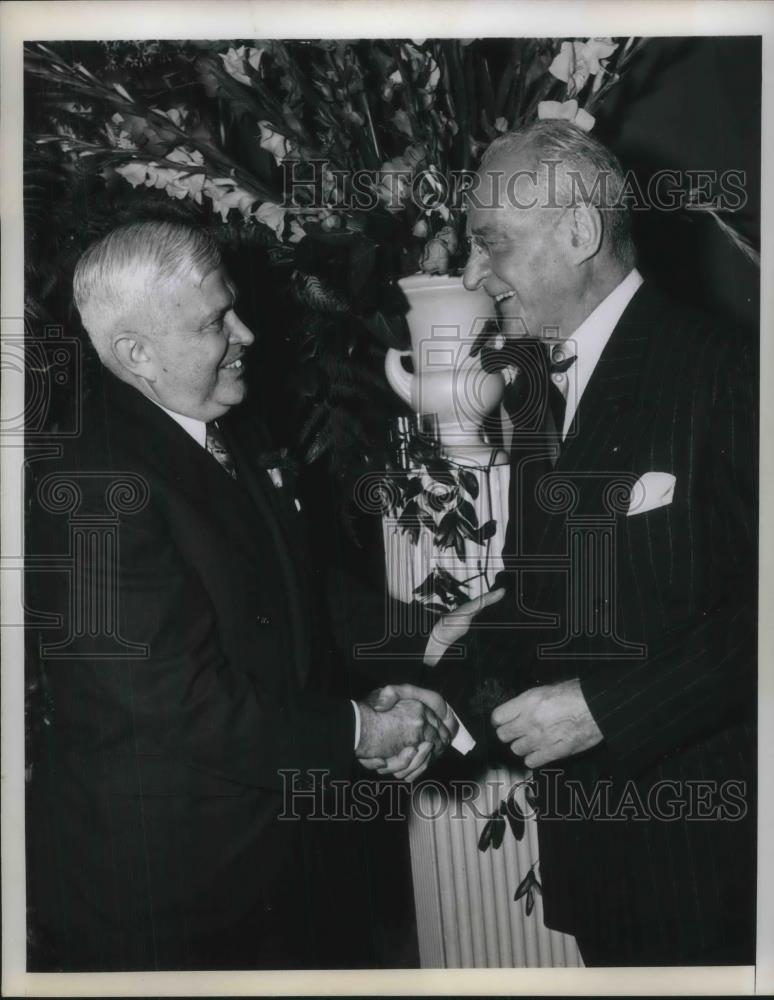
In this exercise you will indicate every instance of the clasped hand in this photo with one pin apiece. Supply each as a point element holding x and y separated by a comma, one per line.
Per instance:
<point>403,728</point>
<point>547,723</point>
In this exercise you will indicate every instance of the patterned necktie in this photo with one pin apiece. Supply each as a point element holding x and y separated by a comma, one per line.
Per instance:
<point>216,446</point>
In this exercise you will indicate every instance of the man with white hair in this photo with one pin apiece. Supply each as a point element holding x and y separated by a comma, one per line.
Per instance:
<point>180,690</point>
<point>621,665</point>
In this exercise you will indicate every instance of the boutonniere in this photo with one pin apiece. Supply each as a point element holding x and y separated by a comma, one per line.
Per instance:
<point>281,467</point>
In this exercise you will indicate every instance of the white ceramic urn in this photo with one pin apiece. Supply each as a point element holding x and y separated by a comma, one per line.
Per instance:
<point>444,320</point>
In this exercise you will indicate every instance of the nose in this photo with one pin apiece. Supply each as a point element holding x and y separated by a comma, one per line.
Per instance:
<point>476,270</point>
<point>238,333</point>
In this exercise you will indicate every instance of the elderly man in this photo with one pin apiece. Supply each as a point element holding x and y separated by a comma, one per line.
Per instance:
<point>621,665</point>
<point>171,721</point>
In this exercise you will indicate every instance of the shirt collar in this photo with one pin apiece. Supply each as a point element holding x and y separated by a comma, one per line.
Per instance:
<point>589,340</point>
<point>196,428</point>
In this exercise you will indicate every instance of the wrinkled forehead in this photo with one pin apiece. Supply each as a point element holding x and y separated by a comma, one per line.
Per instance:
<point>507,190</point>
<point>196,294</point>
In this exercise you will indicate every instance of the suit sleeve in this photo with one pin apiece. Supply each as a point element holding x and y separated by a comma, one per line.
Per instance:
<point>700,678</point>
<point>173,698</point>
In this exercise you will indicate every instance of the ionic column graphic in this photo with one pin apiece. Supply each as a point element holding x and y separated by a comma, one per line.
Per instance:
<point>589,568</point>
<point>92,561</point>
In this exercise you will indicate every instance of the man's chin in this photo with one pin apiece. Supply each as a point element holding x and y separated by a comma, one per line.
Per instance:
<point>513,327</point>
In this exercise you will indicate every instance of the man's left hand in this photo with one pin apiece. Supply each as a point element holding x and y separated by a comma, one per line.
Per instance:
<point>547,723</point>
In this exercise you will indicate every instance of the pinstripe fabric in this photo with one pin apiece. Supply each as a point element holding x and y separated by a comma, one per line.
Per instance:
<point>670,394</point>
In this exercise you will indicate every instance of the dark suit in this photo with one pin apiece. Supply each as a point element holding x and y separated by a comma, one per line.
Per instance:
<point>662,635</point>
<point>153,836</point>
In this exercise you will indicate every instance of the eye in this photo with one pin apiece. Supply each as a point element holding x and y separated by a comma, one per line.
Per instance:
<point>216,324</point>
<point>475,244</point>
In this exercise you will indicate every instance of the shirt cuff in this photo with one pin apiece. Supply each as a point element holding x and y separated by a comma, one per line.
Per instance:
<point>463,742</point>
<point>357,724</point>
<point>434,651</point>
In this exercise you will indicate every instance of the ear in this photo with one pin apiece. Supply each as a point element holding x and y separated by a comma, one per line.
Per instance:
<point>585,232</point>
<point>133,355</point>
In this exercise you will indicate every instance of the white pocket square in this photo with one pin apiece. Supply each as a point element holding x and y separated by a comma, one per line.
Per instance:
<point>652,490</point>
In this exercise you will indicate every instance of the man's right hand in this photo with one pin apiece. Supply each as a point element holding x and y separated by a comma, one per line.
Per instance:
<point>408,723</point>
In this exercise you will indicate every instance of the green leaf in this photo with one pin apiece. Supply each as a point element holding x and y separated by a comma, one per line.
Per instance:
<point>409,521</point>
<point>515,816</point>
<point>426,521</point>
<point>530,901</point>
<point>485,532</point>
<point>425,588</point>
<point>469,482</point>
<point>440,471</point>
<point>523,887</point>
<point>485,840</point>
<point>468,513</point>
<point>452,586</point>
<point>413,488</point>
<point>446,530</point>
<point>498,832</point>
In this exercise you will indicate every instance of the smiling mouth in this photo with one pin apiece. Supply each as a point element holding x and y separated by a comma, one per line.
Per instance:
<point>234,365</point>
<point>503,296</point>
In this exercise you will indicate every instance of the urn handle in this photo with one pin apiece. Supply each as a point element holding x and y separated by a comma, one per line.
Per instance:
<point>400,380</point>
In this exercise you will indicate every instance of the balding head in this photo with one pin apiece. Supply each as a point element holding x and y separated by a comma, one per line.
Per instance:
<point>571,168</point>
<point>549,238</point>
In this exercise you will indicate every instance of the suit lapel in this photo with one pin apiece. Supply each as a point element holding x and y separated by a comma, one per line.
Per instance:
<point>244,512</point>
<point>611,413</point>
<point>273,506</point>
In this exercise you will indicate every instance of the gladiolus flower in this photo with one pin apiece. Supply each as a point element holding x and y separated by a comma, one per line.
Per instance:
<point>435,257</point>
<point>273,142</point>
<point>402,123</point>
<point>226,195</point>
<point>135,173</point>
<point>448,237</point>
<point>271,215</point>
<point>577,61</point>
<point>414,155</point>
<point>234,62</point>
<point>566,111</point>
<point>297,232</point>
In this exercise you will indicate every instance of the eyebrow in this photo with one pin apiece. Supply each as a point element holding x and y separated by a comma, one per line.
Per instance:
<point>484,230</point>
<point>218,313</point>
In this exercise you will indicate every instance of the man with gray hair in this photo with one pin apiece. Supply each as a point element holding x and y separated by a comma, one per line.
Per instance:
<point>621,665</point>
<point>175,719</point>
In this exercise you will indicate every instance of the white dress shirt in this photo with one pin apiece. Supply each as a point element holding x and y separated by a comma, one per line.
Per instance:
<point>588,342</point>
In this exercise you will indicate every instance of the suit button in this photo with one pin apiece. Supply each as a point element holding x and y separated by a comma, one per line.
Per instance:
<point>263,620</point>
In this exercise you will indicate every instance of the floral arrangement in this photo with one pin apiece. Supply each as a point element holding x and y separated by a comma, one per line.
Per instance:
<point>339,159</point>
<point>396,117</point>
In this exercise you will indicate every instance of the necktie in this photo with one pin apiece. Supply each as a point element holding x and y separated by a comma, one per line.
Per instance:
<point>216,446</point>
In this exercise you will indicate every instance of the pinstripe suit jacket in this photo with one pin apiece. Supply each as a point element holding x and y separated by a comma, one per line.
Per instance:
<point>655,613</point>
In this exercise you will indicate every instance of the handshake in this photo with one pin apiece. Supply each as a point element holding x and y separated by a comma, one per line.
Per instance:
<point>402,729</point>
